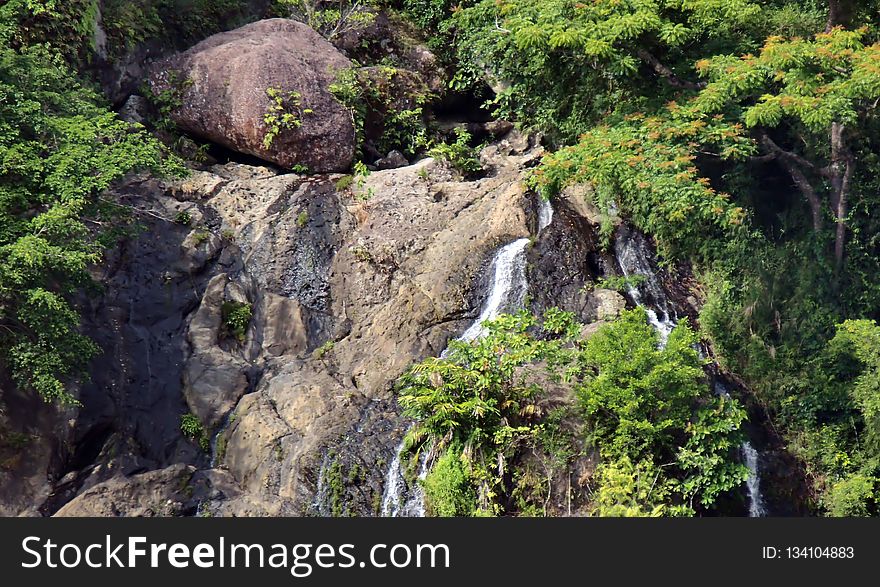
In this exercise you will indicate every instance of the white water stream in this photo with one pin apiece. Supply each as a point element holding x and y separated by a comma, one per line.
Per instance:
<point>507,292</point>
<point>633,254</point>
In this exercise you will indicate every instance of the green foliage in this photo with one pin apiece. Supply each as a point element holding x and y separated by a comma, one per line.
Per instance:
<point>620,283</point>
<point>628,490</point>
<point>729,132</point>
<point>344,182</point>
<point>200,236</point>
<point>648,403</point>
<point>178,22</point>
<point>302,219</point>
<point>449,491</point>
<point>349,91</point>
<point>324,349</point>
<point>809,82</point>
<point>165,102</point>
<point>183,217</point>
<point>60,148</point>
<point>284,112</point>
<point>459,153</point>
<point>852,497</point>
<point>192,428</point>
<point>360,173</point>
<point>641,396</point>
<point>236,317</point>
<point>69,26</point>
<point>372,93</point>
<point>644,166</point>
<point>668,444</point>
<point>474,399</point>
<point>859,340</point>
<point>330,19</point>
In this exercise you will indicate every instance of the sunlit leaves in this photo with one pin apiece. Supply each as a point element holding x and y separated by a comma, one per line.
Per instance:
<point>813,82</point>
<point>645,167</point>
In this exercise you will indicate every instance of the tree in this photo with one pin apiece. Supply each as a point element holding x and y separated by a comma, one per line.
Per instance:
<point>60,148</point>
<point>811,93</point>
<point>650,405</point>
<point>474,400</point>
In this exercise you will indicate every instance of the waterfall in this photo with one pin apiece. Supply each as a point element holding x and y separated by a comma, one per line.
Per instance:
<point>753,483</point>
<point>507,292</point>
<point>545,214</point>
<point>395,502</point>
<point>508,288</point>
<point>632,254</point>
<point>322,502</point>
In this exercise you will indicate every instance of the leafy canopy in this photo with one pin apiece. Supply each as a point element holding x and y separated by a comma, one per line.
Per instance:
<point>60,148</point>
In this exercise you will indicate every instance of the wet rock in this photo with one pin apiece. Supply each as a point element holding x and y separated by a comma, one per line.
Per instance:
<point>135,110</point>
<point>564,263</point>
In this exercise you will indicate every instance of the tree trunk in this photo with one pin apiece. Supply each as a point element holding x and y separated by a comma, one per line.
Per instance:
<point>806,188</point>
<point>840,13</point>
<point>840,174</point>
<point>841,213</point>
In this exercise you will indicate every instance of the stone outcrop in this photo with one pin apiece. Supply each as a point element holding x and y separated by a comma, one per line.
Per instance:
<point>349,283</point>
<point>233,87</point>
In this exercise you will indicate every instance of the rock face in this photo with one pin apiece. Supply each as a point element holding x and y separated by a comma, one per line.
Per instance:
<point>348,285</point>
<point>224,85</point>
<point>564,263</point>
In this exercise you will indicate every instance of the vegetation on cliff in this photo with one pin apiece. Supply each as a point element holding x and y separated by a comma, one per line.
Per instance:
<point>508,412</point>
<point>742,136</point>
<point>60,149</point>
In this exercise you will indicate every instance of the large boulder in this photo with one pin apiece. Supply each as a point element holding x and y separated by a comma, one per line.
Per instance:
<point>223,86</point>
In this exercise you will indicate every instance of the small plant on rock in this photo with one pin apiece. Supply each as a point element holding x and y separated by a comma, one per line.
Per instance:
<point>192,428</point>
<point>324,349</point>
<point>285,112</point>
<point>236,318</point>
<point>302,219</point>
<point>183,217</point>
<point>459,154</point>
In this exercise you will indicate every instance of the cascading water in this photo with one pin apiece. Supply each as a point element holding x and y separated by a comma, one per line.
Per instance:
<point>507,292</point>
<point>545,214</point>
<point>395,500</point>
<point>322,503</point>
<point>508,286</point>
<point>632,254</point>
<point>753,483</point>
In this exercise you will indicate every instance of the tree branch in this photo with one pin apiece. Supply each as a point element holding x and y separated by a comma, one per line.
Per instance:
<point>782,153</point>
<point>792,164</point>
<point>667,74</point>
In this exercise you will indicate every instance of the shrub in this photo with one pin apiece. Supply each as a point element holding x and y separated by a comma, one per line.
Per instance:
<point>284,112</point>
<point>448,488</point>
<point>851,497</point>
<point>459,154</point>
<point>192,428</point>
<point>236,318</point>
